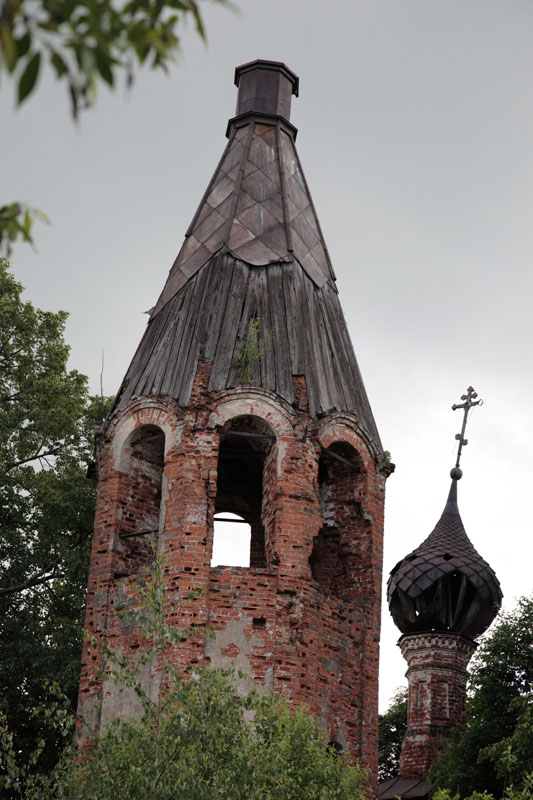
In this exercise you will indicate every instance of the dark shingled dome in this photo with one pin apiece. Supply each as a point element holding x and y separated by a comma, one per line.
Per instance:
<point>444,585</point>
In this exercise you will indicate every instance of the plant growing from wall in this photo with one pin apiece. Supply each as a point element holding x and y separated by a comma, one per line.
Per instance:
<point>252,348</point>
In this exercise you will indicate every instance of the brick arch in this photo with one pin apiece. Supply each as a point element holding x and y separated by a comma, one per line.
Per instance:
<point>255,405</point>
<point>133,463</point>
<point>246,474</point>
<point>344,428</point>
<point>137,414</point>
<point>279,422</point>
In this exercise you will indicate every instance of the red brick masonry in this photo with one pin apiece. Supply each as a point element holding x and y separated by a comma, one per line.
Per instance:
<point>307,623</point>
<point>437,679</point>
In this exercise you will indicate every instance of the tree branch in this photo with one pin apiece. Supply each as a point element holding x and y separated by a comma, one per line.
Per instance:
<point>33,580</point>
<point>53,452</point>
<point>10,397</point>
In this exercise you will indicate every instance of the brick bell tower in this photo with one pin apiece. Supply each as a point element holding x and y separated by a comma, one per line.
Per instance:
<point>244,397</point>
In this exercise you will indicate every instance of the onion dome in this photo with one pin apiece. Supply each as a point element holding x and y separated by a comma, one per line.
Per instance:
<point>445,585</point>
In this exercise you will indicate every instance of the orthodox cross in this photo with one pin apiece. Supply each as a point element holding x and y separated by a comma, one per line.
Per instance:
<point>469,401</point>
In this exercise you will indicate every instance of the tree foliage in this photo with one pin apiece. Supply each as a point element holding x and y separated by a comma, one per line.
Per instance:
<point>16,222</point>
<point>46,509</point>
<point>392,726</point>
<point>495,749</point>
<point>522,792</point>
<point>198,739</point>
<point>87,42</point>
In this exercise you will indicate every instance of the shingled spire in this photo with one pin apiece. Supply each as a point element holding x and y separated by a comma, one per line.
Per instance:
<point>257,205</point>
<point>254,250</point>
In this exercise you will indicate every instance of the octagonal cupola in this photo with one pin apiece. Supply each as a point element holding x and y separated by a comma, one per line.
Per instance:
<point>444,584</point>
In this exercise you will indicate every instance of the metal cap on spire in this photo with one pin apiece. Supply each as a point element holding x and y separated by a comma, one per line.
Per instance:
<point>265,87</point>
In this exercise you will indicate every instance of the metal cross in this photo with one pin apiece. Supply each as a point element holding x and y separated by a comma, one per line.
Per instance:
<point>469,401</point>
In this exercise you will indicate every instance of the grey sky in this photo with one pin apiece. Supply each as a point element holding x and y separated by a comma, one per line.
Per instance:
<point>415,133</point>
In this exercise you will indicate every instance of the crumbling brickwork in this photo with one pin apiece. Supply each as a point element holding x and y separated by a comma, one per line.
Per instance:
<point>304,618</point>
<point>437,679</point>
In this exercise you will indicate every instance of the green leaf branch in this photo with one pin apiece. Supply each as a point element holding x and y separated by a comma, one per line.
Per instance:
<point>90,41</point>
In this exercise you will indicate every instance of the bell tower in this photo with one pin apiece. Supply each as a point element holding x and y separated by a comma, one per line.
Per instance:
<point>244,400</point>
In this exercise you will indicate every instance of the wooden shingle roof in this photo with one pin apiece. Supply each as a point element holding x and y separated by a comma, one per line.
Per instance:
<point>257,207</point>
<point>254,251</point>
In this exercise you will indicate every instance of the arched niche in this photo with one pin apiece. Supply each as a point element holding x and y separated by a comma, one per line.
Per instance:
<point>337,559</point>
<point>245,471</point>
<point>139,499</point>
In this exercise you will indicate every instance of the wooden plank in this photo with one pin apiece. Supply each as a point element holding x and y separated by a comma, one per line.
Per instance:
<point>349,371</point>
<point>292,318</point>
<point>322,363</point>
<point>268,358</point>
<point>357,399</point>
<point>189,358</point>
<point>189,321</point>
<point>216,294</point>
<point>161,357</point>
<point>146,366</point>
<point>170,379</point>
<point>278,322</point>
<point>304,340</point>
<point>341,387</point>
<point>178,322</point>
<point>228,331</point>
<point>130,379</point>
<point>248,310</point>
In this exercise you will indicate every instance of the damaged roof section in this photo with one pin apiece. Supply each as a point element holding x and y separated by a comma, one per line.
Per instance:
<point>444,584</point>
<point>208,318</point>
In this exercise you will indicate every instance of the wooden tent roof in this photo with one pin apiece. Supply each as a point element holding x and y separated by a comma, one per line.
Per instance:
<point>254,250</point>
<point>257,206</point>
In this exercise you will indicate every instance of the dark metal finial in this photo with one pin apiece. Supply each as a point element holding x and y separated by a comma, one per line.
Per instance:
<point>469,401</point>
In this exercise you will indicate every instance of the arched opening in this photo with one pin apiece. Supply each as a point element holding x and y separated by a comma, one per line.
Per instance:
<point>337,559</point>
<point>335,747</point>
<point>139,504</point>
<point>245,444</point>
<point>231,541</point>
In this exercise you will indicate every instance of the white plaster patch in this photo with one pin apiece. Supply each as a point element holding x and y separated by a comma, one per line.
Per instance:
<point>233,634</point>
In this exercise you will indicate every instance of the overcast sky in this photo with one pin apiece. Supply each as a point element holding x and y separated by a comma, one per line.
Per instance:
<point>415,123</point>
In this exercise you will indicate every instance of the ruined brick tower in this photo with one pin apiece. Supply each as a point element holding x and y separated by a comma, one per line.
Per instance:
<point>442,596</point>
<point>244,398</point>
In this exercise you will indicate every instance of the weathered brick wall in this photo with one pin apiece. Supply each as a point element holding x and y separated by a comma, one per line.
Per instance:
<point>314,639</point>
<point>437,677</point>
